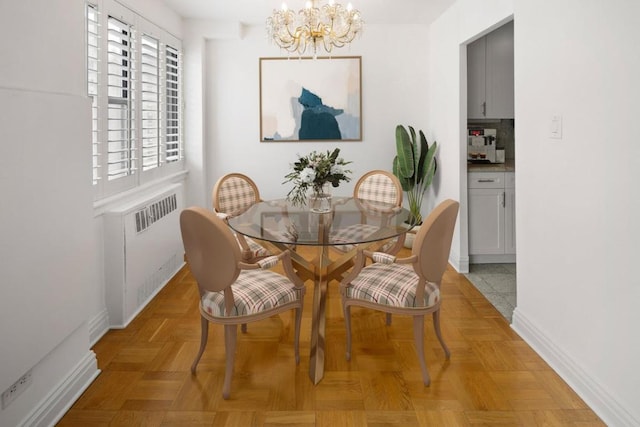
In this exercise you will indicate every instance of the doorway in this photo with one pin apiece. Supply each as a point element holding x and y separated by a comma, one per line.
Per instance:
<point>489,148</point>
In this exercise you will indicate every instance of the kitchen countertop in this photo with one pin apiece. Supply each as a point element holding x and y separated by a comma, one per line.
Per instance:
<point>507,166</point>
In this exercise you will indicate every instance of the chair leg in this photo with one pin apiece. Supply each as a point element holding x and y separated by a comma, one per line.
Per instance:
<point>347,323</point>
<point>204,335</point>
<point>230,333</point>
<point>436,325</point>
<point>418,337</point>
<point>296,342</point>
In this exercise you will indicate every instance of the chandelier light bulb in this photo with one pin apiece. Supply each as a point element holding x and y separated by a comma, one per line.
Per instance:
<point>283,7</point>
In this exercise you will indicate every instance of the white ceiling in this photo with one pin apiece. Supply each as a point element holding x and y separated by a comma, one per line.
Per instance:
<point>256,11</point>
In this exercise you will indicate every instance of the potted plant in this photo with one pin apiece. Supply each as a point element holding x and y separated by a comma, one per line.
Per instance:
<point>414,165</point>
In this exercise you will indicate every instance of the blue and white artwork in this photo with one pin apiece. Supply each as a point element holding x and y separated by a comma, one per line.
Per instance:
<point>305,99</point>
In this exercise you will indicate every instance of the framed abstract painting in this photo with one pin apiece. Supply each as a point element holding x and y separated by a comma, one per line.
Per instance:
<point>306,99</point>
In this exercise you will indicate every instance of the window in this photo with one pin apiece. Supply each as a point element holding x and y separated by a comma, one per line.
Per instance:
<point>134,72</point>
<point>121,147</point>
<point>92,84</point>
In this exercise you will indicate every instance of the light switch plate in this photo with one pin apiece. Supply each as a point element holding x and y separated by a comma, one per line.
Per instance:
<point>555,127</point>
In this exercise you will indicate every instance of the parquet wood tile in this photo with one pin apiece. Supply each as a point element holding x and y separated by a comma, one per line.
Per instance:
<point>493,378</point>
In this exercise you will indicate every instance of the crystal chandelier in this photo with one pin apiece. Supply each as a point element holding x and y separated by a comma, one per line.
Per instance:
<point>329,26</point>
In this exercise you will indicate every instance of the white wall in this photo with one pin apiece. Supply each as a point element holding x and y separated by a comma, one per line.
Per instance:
<point>48,268</point>
<point>394,91</point>
<point>578,200</point>
<point>576,206</point>
<point>52,289</point>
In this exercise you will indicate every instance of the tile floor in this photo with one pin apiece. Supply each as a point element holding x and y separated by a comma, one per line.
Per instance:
<point>497,282</point>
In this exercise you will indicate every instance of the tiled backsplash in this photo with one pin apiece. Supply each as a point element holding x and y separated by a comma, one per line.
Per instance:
<point>505,134</point>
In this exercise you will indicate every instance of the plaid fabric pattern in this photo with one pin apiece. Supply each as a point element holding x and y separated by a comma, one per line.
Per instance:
<point>378,188</point>
<point>391,284</point>
<point>257,249</point>
<point>254,291</point>
<point>353,233</point>
<point>383,258</point>
<point>235,196</point>
<point>268,262</point>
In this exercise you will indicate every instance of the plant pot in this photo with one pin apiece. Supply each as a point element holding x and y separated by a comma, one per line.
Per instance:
<point>410,237</point>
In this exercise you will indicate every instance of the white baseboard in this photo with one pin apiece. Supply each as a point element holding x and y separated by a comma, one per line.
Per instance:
<point>461,264</point>
<point>58,402</point>
<point>98,326</point>
<point>598,399</point>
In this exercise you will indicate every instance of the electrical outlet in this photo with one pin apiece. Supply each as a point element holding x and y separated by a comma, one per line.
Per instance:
<point>16,389</point>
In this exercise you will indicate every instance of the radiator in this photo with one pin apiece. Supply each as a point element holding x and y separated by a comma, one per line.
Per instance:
<point>143,251</point>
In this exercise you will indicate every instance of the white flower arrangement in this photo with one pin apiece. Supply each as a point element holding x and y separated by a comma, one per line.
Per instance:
<point>314,171</point>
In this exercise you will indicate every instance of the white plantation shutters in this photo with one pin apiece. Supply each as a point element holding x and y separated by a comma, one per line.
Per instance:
<point>92,85</point>
<point>134,72</point>
<point>150,85</point>
<point>121,106</point>
<point>173,116</point>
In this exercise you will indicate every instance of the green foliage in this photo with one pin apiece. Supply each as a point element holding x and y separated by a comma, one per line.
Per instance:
<point>414,165</point>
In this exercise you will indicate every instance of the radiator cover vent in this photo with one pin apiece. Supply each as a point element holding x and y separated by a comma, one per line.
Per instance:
<point>146,216</point>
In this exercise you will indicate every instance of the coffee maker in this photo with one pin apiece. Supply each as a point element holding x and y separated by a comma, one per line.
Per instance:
<point>481,147</point>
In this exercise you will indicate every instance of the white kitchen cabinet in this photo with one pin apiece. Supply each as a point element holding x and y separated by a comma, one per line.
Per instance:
<point>491,204</point>
<point>490,79</point>
<point>486,221</point>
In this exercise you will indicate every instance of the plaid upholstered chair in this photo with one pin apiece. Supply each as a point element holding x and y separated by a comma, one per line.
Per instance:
<point>378,194</point>
<point>233,194</point>
<point>405,286</point>
<point>233,292</point>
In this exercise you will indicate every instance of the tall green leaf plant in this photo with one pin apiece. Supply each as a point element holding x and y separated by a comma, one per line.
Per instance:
<point>414,165</point>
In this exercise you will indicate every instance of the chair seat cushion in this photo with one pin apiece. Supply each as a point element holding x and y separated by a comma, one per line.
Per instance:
<point>393,285</point>
<point>356,232</point>
<point>254,291</point>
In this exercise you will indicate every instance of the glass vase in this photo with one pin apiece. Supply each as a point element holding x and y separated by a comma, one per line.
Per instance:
<point>320,200</point>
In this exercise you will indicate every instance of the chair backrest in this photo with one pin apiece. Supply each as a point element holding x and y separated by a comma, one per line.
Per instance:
<point>433,241</point>
<point>378,186</point>
<point>212,251</point>
<point>234,193</point>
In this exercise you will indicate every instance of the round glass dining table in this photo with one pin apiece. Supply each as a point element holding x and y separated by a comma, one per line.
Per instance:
<point>352,224</point>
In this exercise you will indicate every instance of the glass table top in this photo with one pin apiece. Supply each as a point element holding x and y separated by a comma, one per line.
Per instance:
<point>351,221</point>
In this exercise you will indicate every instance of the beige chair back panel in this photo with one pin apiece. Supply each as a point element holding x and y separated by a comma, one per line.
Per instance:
<point>433,241</point>
<point>212,252</point>
<point>379,186</point>
<point>234,193</point>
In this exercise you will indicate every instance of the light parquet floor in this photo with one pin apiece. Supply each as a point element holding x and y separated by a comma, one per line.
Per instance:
<point>492,379</point>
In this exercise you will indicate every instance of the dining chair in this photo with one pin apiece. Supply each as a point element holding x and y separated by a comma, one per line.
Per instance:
<point>405,286</point>
<point>232,195</point>
<point>234,292</point>
<point>378,194</point>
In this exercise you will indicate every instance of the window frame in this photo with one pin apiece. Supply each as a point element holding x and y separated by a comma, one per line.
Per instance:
<point>140,27</point>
